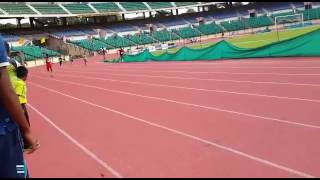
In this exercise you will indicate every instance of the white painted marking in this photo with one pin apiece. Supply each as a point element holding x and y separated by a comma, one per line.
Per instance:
<point>79,145</point>
<point>204,79</point>
<point>194,105</point>
<point>191,88</point>
<point>234,151</point>
<point>202,72</point>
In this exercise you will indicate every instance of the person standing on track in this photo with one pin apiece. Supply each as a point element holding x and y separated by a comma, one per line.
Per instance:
<point>48,64</point>
<point>121,52</point>
<point>104,53</point>
<point>14,128</point>
<point>85,59</point>
<point>60,61</point>
<point>71,59</point>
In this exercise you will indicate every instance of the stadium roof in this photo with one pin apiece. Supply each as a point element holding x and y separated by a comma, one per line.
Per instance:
<point>67,9</point>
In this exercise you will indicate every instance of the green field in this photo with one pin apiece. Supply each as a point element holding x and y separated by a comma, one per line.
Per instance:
<point>253,41</point>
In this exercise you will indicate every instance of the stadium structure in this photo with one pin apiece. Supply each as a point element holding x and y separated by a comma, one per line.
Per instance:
<point>203,89</point>
<point>87,27</point>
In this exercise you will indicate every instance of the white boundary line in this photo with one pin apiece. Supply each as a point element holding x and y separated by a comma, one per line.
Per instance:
<point>202,79</point>
<point>257,159</point>
<point>201,72</point>
<point>190,104</point>
<point>221,62</point>
<point>180,67</point>
<point>190,88</point>
<point>79,145</point>
<point>196,72</point>
<point>221,67</point>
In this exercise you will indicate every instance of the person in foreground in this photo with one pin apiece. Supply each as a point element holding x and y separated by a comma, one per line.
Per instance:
<point>13,126</point>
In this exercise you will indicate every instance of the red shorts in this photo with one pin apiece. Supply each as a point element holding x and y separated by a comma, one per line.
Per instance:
<point>49,67</point>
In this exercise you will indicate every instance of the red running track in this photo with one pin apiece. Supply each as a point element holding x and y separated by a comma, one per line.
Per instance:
<point>248,118</point>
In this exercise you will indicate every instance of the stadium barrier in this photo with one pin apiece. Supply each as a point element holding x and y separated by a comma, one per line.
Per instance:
<point>304,45</point>
<point>40,62</point>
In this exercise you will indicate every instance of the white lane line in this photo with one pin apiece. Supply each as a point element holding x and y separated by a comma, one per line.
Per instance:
<point>190,104</point>
<point>79,145</point>
<point>198,72</point>
<point>236,67</point>
<point>191,88</point>
<point>203,79</point>
<point>234,151</point>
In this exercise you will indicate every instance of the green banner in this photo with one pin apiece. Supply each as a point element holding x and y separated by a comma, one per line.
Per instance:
<point>304,45</point>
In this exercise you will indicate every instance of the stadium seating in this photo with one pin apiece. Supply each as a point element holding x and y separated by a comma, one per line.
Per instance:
<point>159,5</point>
<point>69,33</point>
<point>133,6</point>
<point>117,41</point>
<point>233,25</point>
<point>208,29</point>
<point>311,14</point>
<point>179,4</point>
<point>122,28</point>
<point>260,21</point>
<point>187,32</point>
<point>35,52</point>
<point>191,19</point>
<point>141,38</point>
<point>106,7</point>
<point>164,35</point>
<point>78,8</point>
<point>278,6</point>
<point>224,14</point>
<point>88,31</point>
<point>93,45</point>
<point>173,22</point>
<point>28,57</point>
<point>141,25</point>
<point>49,9</point>
<point>17,9</point>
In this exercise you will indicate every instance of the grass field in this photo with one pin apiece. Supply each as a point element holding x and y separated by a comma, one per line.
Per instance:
<point>253,41</point>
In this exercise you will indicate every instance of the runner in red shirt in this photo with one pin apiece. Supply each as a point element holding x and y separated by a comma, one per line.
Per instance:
<point>48,64</point>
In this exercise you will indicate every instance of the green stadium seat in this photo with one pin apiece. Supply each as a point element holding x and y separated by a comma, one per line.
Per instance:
<point>261,21</point>
<point>106,7</point>
<point>141,38</point>
<point>35,52</point>
<point>310,14</point>
<point>117,41</point>
<point>234,25</point>
<point>208,29</point>
<point>160,5</point>
<point>92,45</point>
<point>49,8</point>
<point>17,9</point>
<point>185,3</point>
<point>164,35</point>
<point>187,32</point>
<point>133,6</point>
<point>78,8</point>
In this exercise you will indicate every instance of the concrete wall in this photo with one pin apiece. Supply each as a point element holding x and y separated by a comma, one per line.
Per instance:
<point>39,62</point>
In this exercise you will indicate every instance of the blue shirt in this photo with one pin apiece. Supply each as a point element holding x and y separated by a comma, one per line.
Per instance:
<point>6,122</point>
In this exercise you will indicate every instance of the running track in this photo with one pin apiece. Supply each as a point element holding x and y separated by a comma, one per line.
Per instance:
<point>237,118</point>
